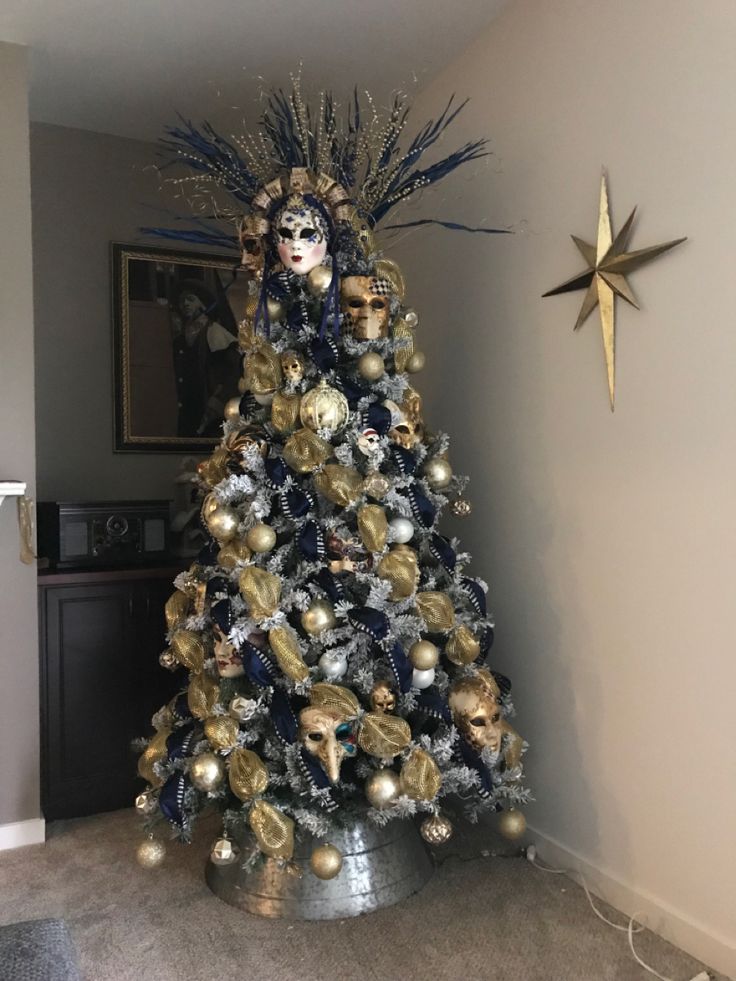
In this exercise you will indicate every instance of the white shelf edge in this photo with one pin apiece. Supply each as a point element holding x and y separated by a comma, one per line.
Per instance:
<point>12,488</point>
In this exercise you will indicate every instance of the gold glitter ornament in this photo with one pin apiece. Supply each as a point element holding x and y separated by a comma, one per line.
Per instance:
<point>274,831</point>
<point>383,735</point>
<point>334,697</point>
<point>154,752</point>
<point>221,731</point>
<point>436,610</point>
<point>146,803</point>
<point>416,362</point>
<point>424,655</point>
<point>376,485</point>
<point>261,538</point>
<point>261,590</point>
<point>323,407</point>
<point>382,788</point>
<point>318,280</point>
<point>234,553</point>
<point>232,410</point>
<point>206,772</point>
<point>339,484</point>
<point>188,650</point>
<point>420,776</point>
<point>319,616</point>
<point>202,696</point>
<point>304,451</point>
<point>224,852</point>
<point>150,853</point>
<point>247,774</point>
<point>436,829</point>
<point>176,610</point>
<point>462,646</point>
<point>461,508</point>
<point>222,523</point>
<point>372,527</point>
<point>437,472</point>
<point>285,411</point>
<point>326,861</point>
<point>401,569</point>
<point>285,646</point>
<point>371,366</point>
<point>511,824</point>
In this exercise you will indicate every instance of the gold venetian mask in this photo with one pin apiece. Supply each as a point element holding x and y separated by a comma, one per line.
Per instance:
<point>365,301</point>
<point>476,713</point>
<point>328,735</point>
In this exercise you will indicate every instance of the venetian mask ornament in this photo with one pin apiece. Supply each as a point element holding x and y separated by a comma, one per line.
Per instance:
<point>476,713</point>
<point>292,367</point>
<point>383,698</point>
<point>326,734</point>
<point>251,232</point>
<point>365,301</point>
<point>368,441</point>
<point>229,663</point>
<point>300,235</point>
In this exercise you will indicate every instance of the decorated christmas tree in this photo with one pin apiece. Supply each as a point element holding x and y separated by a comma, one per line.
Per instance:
<point>334,650</point>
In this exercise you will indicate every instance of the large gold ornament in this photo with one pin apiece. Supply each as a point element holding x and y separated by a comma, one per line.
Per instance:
<point>202,696</point>
<point>261,590</point>
<point>438,472</point>
<point>605,278</point>
<point>235,552</point>
<point>319,616</point>
<point>511,824</point>
<point>261,538</point>
<point>222,523</point>
<point>436,829</point>
<point>274,831</point>
<point>372,527</point>
<point>150,853</point>
<point>285,411</point>
<point>318,280</point>
<point>327,734</point>
<point>304,451</point>
<point>383,735</point>
<point>323,407</point>
<point>420,776</point>
<point>424,655</point>
<point>176,610</point>
<point>247,774</point>
<point>401,569</point>
<point>371,366</point>
<point>462,646</point>
<point>383,697</point>
<point>326,861</point>
<point>416,362</point>
<point>221,731</point>
<point>339,484</point>
<point>382,788</point>
<point>436,610</point>
<point>188,650</point>
<point>207,772</point>
<point>284,644</point>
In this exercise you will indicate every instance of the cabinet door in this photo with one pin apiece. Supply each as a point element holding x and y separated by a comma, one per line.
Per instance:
<point>155,685</point>
<point>89,695</point>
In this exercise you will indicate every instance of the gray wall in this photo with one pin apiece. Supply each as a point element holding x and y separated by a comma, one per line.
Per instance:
<point>88,189</point>
<point>19,766</point>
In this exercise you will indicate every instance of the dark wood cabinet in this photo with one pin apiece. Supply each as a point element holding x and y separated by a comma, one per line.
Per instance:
<point>101,634</point>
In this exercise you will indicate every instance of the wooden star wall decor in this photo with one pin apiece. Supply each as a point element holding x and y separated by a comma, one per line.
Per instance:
<point>605,278</point>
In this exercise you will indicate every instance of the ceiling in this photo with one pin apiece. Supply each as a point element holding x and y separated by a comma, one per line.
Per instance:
<point>127,67</point>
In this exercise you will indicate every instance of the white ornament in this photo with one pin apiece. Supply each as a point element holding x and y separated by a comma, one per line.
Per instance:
<point>422,679</point>
<point>333,665</point>
<point>402,530</point>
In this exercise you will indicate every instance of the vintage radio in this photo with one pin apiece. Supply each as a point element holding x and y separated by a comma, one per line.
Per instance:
<point>103,534</point>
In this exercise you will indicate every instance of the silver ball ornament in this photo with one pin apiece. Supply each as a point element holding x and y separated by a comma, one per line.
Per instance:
<point>260,538</point>
<point>207,772</point>
<point>224,852</point>
<point>424,655</point>
<point>422,679</point>
<point>232,410</point>
<point>382,788</point>
<point>416,362</point>
<point>402,530</point>
<point>150,853</point>
<point>333,665</point>
<point>511,824</point>
<point>318,617</point>
<point>438,472</point>
<point>371,366</point>
<point>326,861</point>
<point>318,280</point>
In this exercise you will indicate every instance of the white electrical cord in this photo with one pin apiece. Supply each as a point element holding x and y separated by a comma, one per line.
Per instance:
<point>531,855</point>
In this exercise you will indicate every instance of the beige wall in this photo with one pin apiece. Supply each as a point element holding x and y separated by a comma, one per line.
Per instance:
<point>88,189</point>
<point>19,737</point>
<point>609,540</point>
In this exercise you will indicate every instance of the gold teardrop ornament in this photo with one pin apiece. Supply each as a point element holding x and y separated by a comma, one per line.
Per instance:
<point>323,407</point>
<point>234,553</point>
<point>247,773</point>
<point>285,646</point>
<point>202,696</point>
<point>420,776</point>
<point>188,650</point>
<point>372,527</point>
<point>261,590</point>
<point>436,610</point>
<point>285,411</point>
<point>383,735</point>
<point>400,568</point>
<point>221,731</point>
<point>334,697</point>
<point>304,451</point>
<point>176,610</point>
<point>274,831</point>
<point>154,752</point>
<point>341,485</point>
<point>462,646</point>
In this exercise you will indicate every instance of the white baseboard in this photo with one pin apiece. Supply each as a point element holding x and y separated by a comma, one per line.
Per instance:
<point>697,940</point>
<point>22,833</point>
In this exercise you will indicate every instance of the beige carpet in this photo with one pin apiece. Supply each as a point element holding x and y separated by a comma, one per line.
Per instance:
<point>483,919</point>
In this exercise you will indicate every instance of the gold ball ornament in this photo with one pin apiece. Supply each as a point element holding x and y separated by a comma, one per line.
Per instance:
<point>207,772</point>
<point>323,407</point>
<point>511,824</point>
<point>275,309</point>
<point>416,362</point>
<point>261,538</point>
<point>146,803</point>
<point>438,473</point>
<point>232,410</point>
<point>150,853</point>
<point>371,366</point>
<point>223,522</point>
<point>461,508</point>
<point>318,280</point>
<point>320,616</point>
<point>436,829</point>
<point>382,788</point>
<point>424,655</point>
<point>326,861</point>
<point>224,852</point>
<point>242,386</point>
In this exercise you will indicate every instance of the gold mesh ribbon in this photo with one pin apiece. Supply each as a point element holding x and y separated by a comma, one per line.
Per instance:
<point>436,610</point>
<point>341,485</point>
<point>202,696</point>
<point>372,527</point>
<point>285,411</point>
<point>400,569</point>
<point>304,451</point>
<point>512,753</point>
<point>214,468</point>
<point>247,773</point>
<point>221,731</point>
<point>334,697</point>
<point>233,553</point>
<point>176,610</point>
<point>274,831</point>
<point>402,332</point>
<point>262,369</point>
<point>261,590</point>
<point>285,646</point>
<point>153,753</point>
<point>420,776</point>
<point>383,735</point>
<point>188,649</point>
<point>462,646</point>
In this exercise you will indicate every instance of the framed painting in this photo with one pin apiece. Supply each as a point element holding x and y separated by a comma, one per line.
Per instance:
<point>176,356</point>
